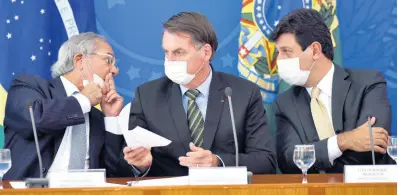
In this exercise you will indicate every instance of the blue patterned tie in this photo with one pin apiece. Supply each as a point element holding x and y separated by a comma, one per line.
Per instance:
<point>78,147</point>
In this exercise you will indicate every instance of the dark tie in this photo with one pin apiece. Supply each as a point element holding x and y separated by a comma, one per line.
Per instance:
<point>195,118</point>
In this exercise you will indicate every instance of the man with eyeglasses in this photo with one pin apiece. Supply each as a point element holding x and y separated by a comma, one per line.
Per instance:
<point>72,133</point>
<point>189,107</point>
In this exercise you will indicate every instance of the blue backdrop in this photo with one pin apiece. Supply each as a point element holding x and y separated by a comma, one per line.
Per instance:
<point>367,35</point>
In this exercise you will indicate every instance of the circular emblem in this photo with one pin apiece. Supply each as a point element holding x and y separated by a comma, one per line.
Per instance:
<point>268,12</point>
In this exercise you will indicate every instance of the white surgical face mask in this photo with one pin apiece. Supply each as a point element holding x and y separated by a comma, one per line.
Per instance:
<point>289,70</point>
<point>96,79</point>
<point>177,71</point>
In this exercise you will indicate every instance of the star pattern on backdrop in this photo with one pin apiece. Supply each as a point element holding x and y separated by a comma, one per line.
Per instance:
<point>13,22</point>
<point>113,3</point>
<point>133,73</point>
<point>227,61</point>
<point>155,75</point>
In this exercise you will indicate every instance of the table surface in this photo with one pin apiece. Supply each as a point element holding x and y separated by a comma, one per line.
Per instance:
<point>318,184</point>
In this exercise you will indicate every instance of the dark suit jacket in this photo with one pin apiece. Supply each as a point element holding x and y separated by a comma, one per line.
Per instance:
<point>53,112</point>
<point>354,94</point>
<point>158,107</point>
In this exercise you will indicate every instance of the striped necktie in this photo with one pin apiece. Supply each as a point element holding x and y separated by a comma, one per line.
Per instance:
<point>195,118</point>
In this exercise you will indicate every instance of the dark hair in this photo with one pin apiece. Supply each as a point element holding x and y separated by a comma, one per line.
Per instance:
<point>196,25</point>
<point>308,26</point>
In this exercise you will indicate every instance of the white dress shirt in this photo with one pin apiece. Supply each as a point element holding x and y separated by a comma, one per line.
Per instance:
<point>61,160</point>
<point>326,86</point>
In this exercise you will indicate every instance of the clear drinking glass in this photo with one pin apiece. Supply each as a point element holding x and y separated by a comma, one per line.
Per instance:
<point>5,164</point>
<point>304,158</point>
<point>392,147</point>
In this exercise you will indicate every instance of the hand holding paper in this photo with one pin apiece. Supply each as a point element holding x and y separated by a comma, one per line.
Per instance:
<point>140,157</point>
<point>140,137</point>
<point>139,143</point>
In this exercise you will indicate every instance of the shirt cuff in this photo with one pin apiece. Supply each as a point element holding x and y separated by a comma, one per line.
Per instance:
<point>222,162</point>
<point>333,149</point>
<point>112,125</point>
<point>84,102</point>
<point>137,173</point>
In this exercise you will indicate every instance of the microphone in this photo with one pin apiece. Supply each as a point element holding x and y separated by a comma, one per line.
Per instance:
<point>36,182</point>
<point>228,93</point>
<point>369,116</point>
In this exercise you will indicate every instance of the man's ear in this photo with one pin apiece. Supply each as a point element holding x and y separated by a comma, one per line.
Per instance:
<point>77,61</point>
<point>208,50</point>
<point>317,50</point>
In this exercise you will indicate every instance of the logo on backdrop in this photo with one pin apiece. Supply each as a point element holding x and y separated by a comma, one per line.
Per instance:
<point>257,55</point>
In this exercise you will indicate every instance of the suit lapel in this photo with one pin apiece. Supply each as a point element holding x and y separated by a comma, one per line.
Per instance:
<point>302,102</point>
<point>214,109</point>
<point>57,91</point>
<point>179,116</point>
<point>339,94</point>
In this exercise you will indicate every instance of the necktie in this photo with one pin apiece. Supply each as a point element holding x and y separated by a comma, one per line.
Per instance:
<point>195,118</point>
<point>320,116</point>
<point>78,147</point>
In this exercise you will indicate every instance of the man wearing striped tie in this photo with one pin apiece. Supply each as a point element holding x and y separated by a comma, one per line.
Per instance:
<point>190,108</point>
<point>327,106</point>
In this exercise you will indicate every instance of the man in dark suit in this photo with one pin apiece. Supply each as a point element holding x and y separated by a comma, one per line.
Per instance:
<point>190,108</point>
<point>72,133</point>
<point>327,106</point>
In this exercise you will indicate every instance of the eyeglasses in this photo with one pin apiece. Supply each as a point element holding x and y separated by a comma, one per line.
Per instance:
<point>109,60</point>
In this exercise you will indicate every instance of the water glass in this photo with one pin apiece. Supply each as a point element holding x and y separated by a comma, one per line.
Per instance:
<point>392,147</point>
<point>304,158</point>
<point>5,163</point>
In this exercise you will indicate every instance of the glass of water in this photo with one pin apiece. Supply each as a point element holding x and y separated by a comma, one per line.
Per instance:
<point>5,162</point>
<point>304,158</point>
<point>392,147</point>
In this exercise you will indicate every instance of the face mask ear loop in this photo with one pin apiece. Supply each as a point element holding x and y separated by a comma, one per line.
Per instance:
<point>81,74</point>
<point>312,63</point>
<point>200,68</point>
<point>312,66</point>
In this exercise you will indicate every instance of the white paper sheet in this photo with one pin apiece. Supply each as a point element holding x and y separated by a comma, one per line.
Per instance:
<point>18,184</point>
<point>21,185</point>
<point>140,137</point>
<point>173,181</point>
<point>124,117</point>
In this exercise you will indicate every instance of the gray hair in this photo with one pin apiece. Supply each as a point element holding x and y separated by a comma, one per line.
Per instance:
<point>84,43</point>
<point>196,25</point>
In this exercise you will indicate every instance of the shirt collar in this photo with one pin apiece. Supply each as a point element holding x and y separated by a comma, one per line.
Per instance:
<point>70,88</point>
<point>326,83</point>
<point>204,88</point>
